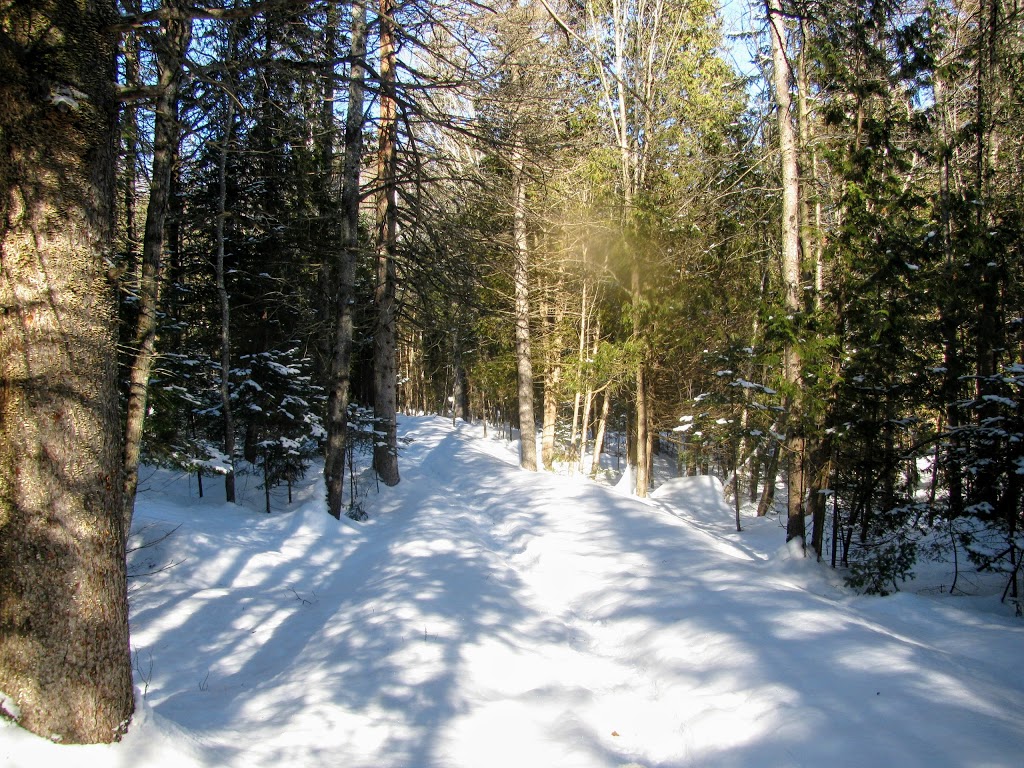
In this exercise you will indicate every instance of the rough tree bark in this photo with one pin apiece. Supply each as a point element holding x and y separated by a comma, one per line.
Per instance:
<point>64,653</point>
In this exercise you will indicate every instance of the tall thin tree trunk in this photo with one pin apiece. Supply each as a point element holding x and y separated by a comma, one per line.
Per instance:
<point>790,260</point>
<point>988,334</point>
<point>341,356</point>
<point>171,47</point>
<point>64,647</point>
<point>767,502</point>
<point>949,312</point>
<point>583,440</point>
<point>755,475</point>
<point>736,459</point>
<point>132,152</point>
<point>460,397</point>
<point>552,376</point>
<point>816,446</point>
<point>820,471</point>
<point>588,403</point>
<point>225,303</point>
<point>643,437</point>
<point>602,425</point>
<point>460,393</point>
<point>385,451</point>
<point>578,395</point>
<point>524,363</point>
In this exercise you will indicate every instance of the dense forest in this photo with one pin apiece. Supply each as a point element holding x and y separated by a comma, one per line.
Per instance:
<point>244,236</point>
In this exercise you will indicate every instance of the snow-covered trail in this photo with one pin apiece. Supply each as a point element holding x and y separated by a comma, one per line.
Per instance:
<point>488,617</point>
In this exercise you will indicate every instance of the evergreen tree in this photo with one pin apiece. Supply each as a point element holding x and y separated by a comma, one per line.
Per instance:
<point>280,411</point>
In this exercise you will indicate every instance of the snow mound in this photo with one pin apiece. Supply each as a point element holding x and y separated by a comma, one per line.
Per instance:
<point>701,498</point>
<point>310,520</point>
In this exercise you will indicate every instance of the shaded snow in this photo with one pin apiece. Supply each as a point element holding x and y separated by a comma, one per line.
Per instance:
<point>490,617</point>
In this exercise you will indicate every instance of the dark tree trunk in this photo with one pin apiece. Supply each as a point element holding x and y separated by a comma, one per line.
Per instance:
<point>771,472</point>
<point>385,404</point>
<point>225,305</point>
<point>820,470</point>
<point>755,474</point>
<point>337,402</point>
<point>460,392</point>
<point>171,47</point>
<point>736,482</point>
<point>64,653</point>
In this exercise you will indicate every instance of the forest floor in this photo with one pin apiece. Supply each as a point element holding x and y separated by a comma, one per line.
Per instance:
<point>487,617</point>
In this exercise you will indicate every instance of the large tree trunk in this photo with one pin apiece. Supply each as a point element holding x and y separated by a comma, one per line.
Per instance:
<point>171,46</point>
<point>64,653</point>
<point>348,246</point>
<point>527,425</point>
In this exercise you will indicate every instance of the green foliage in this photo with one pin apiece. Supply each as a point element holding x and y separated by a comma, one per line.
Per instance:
<point>361,435</point>
<point>496,377</point>
<point>182,429</point>
<point>878,568</point>
<point>280,411</point>
<point>989,449</point>
<point>732,411</point>
<point>613,362</point>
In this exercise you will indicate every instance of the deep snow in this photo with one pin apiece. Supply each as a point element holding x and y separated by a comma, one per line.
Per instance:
<point>488,617</point>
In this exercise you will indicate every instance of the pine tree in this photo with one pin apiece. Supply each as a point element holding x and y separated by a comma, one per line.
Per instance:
<point>280,410</point>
